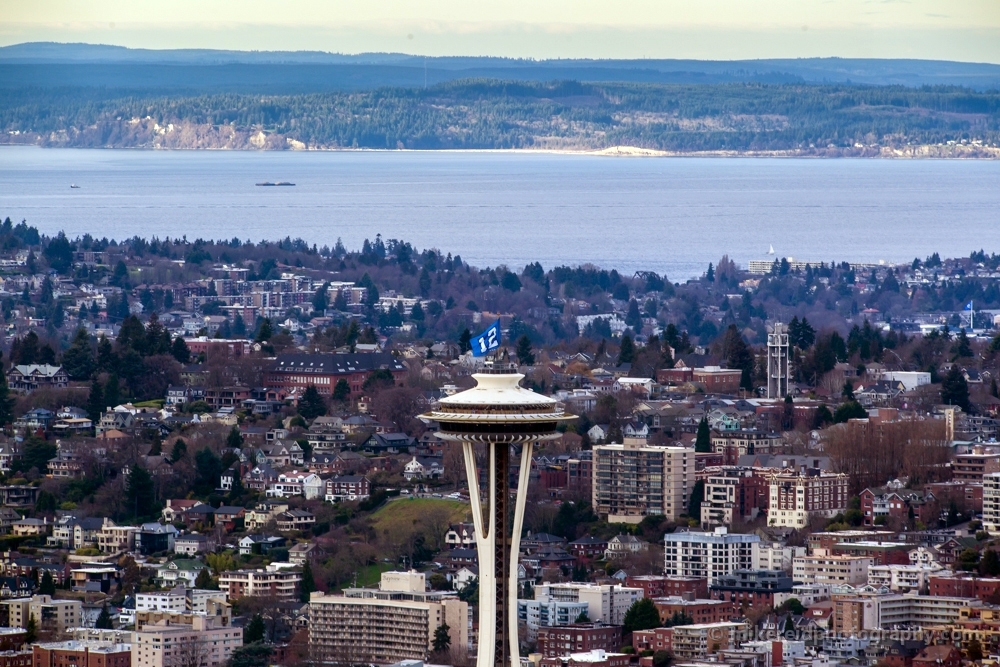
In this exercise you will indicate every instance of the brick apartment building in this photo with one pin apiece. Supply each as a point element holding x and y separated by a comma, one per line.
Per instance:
<point>323,371</point>
<point>659,586</point>
<point>578,637</point>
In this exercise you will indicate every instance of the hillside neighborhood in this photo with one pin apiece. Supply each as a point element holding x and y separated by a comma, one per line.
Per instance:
<point>211,455</point>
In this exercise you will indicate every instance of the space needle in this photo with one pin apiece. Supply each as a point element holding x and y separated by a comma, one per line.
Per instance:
<point>496,416</point>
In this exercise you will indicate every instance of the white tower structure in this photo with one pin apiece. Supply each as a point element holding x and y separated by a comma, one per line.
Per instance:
<point>779,365</point>
<point>497,414</point>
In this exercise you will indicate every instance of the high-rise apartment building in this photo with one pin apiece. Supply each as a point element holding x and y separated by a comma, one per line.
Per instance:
<point>382,626</point>
<point>708,555</point>
<point>634,480</point>
<point>169,644</point>
<point>991,502</point>
<point>733,494</point>
<point>607,603</point>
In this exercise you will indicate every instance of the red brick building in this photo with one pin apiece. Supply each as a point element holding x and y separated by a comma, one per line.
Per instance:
<point>588,548</point>
<point>657,639</point>
<point>81,654</point>
<point>298,371</point>
<point>718,380</point>
<point>658,586</point>
<point>578,637</point>
<point>700,611</point>
<point>986,589</point>
<point>16,658</point>
<point>885,553</point>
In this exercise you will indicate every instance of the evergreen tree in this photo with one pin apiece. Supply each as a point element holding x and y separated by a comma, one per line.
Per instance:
<point>322,299</point>
<point>179,350</point>
<point>642,615</point>
<point>626,354</point>
<point>140,497</point>
<point>264,332</point>
<point>6,401</point>
<point>208,468</point>
<point>955,389</point>
<point>104,619</point>
<point>962,347</point>
<point>703,440</point>
<point>341,391</point>
<point>178,451</point>
<point>254,631</point>
<point>204,581</point>
<point>525,356</point>
<point>31,630</point>
<point>311,405</point>
<point>157,447</point>
<point>989,565</point>
<point>234,440</point>
<point>112,393</point>
<point>236,491</point>
<point>442,640</point>
<point>47,585</point>
<point>308,584</point>
<point>78,360</point>
<point>738,355</point>
<point>253,654</point>
<point>710,274</point>
<point>694,502</point>
<point>465,341</point>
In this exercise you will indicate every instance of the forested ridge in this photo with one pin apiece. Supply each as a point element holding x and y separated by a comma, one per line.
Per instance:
<point>504,114</point>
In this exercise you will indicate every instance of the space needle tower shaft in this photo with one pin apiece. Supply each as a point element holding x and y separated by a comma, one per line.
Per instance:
<point>494,418</point>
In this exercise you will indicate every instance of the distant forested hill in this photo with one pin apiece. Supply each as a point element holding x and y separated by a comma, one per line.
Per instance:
<point>737,117</point>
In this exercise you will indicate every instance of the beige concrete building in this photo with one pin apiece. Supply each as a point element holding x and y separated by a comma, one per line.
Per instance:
<point>48,613</point>
<point>382,626</point>
<point>824,568</point>
<point>168,644</point>
<point>696,642</point>
<point>634,480</point>
<point>277,580</point>
<point>991,502</point>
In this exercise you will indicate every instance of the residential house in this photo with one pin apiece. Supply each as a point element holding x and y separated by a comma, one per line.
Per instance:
<point>230,518</point>
<point>180,571</point>
<point>347,487</point>
<point>260,544</point>
<point>292,520</point>
<point>426,468</point>
<point>622,546</point>
<point>193,544</point>
<point>26,378</point>
<point>295,483</point>
<point>262,514</point>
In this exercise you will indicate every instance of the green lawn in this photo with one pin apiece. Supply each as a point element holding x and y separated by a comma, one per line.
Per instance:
<point>401,515</point>
<point>370,575</point>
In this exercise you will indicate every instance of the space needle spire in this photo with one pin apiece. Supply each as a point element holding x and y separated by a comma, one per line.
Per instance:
<point>495,417</point>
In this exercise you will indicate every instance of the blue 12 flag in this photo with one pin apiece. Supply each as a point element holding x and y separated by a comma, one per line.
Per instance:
<point>968,306</point>
<point>487,341</point>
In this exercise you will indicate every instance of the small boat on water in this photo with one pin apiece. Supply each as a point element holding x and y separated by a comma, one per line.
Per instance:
<point>74,186</point>
<point>270,184</point>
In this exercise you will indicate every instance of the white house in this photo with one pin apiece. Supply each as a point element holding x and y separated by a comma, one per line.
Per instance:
<point>295,483</point>
<point>423,469</point>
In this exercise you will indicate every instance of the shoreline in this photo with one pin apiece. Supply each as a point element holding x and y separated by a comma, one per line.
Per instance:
<point>921,152</point>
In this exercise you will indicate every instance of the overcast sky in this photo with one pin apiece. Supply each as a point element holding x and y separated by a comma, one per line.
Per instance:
<point>967,30</point>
